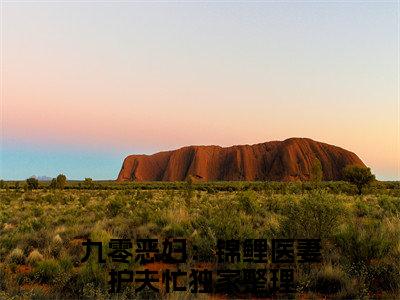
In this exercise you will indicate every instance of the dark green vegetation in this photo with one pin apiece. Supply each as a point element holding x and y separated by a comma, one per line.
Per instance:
<point>41,231</point>
<point>335,187</point>
<point>360,177</point>
<point>32,183</point>
<point>59,182</point>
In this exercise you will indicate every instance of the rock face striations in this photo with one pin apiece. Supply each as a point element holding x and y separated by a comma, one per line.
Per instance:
<point>287,160</point>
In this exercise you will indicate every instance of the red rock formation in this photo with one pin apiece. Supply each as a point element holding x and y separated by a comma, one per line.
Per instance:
<point>287,160</point>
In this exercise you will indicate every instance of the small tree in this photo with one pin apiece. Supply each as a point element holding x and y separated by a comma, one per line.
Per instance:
<point>61,181</point>
<point>53,184</point>
<point>88,182</point>
<point>359,176</point>
<point>316,171</point>
<point>32,183</point>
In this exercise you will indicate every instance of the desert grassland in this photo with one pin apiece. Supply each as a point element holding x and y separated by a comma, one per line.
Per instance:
<point>41,232</point>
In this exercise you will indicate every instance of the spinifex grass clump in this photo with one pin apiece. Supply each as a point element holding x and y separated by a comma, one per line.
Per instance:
<point>34,257</point>
<point>16,256</point>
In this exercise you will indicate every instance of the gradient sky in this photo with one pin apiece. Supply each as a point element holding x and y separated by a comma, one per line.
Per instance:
<point>85,84</point>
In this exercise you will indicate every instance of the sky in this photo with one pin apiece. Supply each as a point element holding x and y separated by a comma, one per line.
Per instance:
<point>84,83</point>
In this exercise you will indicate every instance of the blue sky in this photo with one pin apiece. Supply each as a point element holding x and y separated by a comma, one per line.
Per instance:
<point>85,84</point>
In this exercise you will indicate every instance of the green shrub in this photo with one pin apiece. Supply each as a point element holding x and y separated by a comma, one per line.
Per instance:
<point>247,201</point>
<point>383,277</point>
<point>330,280</point>
<point>46,271</point>
<point>84,200</point>
<point>360,244</point>
<point>174,230</point>
<point>90,281</point>
<point>391,205</point>
<point>143,195</point>
<point>32,183</point>
<point>203,244</point>
<point>35,240</point>
<point>362,209</point>
<point>316,170</point>
<point>58,183</point>
<point>114,207</point>
<point>316,215</point>
<point>359,176</point>
<point>88,183</point>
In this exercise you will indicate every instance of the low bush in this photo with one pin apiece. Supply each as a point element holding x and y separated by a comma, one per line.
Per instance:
<point>16,256</point>
<point>34,257</point>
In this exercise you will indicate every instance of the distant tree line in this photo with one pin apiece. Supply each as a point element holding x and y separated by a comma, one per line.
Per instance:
<point>358,179</point>
<point>56,183</point>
